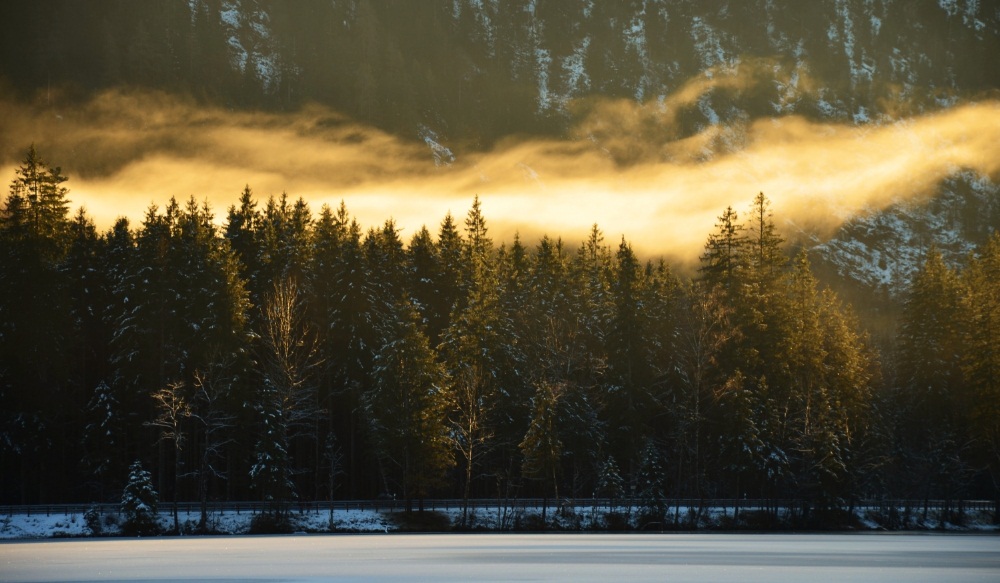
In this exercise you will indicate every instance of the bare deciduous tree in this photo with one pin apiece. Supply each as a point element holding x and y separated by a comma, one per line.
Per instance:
<point>173,407</point>
<point>287,355</point>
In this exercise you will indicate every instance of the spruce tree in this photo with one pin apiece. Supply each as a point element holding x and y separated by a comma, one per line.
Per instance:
<point>981,358</point>
<point>650,486</point>
<point>477,348</point>
<point>37,342</point>
<point>423,272</point>
<point>629,399</point>
<point>930,378</point>
<point>139,505</point>
<point>723,262</point>
<point>451,275</point>
<point>542,447</point>
<point>37,204</point>
<point>407,406</point>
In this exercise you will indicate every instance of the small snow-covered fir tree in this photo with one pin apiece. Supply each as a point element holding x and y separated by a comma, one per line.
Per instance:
<point>139,503</point>
<point>609,483</point>
<point>650,486</point>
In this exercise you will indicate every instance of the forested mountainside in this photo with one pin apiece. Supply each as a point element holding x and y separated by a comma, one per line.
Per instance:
<point>289,355</point>
<point>476,70</point>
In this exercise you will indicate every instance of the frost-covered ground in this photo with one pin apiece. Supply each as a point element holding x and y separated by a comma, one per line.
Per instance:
<point>495,519</point>
<point>511,557</point>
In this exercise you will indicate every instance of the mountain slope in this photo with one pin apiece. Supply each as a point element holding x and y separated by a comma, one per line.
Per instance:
<point>460,75</point>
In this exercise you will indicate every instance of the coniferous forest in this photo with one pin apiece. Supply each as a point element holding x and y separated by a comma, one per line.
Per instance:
<point>277,352</point>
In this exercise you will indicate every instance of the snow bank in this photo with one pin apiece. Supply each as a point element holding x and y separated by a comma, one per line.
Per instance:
<point>495,519</point>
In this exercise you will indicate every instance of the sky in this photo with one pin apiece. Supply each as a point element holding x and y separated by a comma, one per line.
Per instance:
<point>126,150</point>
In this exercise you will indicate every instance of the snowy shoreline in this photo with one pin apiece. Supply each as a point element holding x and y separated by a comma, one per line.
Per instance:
<point>575,519</point>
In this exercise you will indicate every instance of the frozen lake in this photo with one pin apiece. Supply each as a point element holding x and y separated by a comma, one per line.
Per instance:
<point>511,557</point>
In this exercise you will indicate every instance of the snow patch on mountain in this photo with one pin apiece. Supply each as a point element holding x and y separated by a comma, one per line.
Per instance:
<point>575,77</point>
<point>635,42</point>
<point>707,44</point>
<point>543,60</point>
<point>443,156</point>
<point>250,39</point>
<point>881,249</point>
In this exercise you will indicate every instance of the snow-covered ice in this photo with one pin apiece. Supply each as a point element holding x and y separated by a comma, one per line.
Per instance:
<point>493,557</point>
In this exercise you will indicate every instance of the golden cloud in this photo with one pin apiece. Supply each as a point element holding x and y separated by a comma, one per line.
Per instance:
<point>126,150</point>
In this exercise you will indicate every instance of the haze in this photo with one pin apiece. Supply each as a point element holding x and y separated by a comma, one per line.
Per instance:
<point>124,151</point>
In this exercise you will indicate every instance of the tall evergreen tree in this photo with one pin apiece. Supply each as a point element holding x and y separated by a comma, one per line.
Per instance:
<point>37,207</point>
<point>931,380</point>
<point>407,406</point>
<point>542,447</point>
<point>724,261</point>
<point>981,357</point>
<point>36,327</point>
<point>630,400</point>
<point>476,348</point>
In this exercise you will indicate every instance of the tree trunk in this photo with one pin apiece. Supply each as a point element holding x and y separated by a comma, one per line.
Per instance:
<point>736,503</point>
<point>468,487</point>
<point>177,479</point>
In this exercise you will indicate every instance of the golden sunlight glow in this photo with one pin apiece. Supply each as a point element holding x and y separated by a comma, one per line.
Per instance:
<point>126,151</point>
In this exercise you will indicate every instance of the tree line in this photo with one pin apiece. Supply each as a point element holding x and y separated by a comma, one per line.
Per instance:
<point>284,355</point>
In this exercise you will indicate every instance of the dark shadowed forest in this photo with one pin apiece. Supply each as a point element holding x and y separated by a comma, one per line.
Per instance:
<point>279,353</point>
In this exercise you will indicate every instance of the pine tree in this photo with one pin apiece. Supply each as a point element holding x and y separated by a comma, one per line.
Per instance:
<point>542,447</point>
<point>742,451</point>
<point>89,338</point>
<point>284,239</point>
<point>102,437</point>
<point>724,260</point>
<point>213,316</point>
<point>650,486</point>
<point>804,404</point>
<point>423,271</point>
<point>139,503</point>
<point>37,344</point>
<point>763,242</point>
<point>476,348</point>
<point>705,330</point>
<point>981,359</point>
<point>385,264</point>
<point>930,377</point>
<point>38,207</point>
<point>243,233</point>
<point>143,344</point>
<point>629,400</point>
<point>762,312</point>
<point>609,482</point>
<point>352,340</point>
<point>407,406</point>
<point>452,276</point>
<point>851,371</point>
<point>558,353</point>
<point>323,293</point>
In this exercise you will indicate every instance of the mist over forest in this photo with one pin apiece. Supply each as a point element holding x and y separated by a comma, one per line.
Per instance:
<point>645,250</point>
